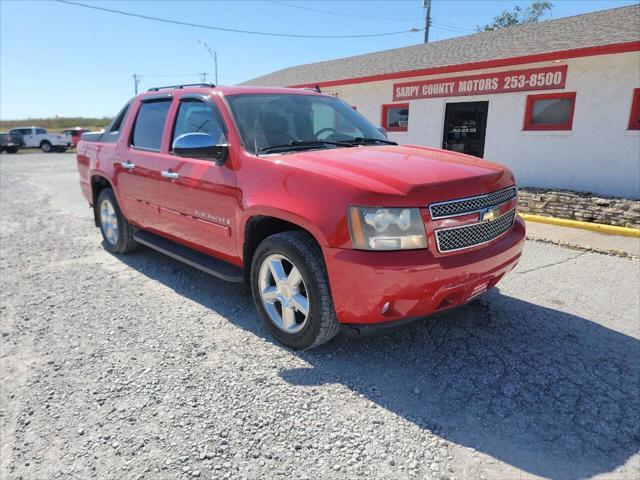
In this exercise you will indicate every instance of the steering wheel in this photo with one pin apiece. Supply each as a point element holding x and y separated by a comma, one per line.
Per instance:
<point>325,129</point>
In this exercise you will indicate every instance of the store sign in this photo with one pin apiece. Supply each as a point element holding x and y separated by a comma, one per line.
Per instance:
<point>545,78</point>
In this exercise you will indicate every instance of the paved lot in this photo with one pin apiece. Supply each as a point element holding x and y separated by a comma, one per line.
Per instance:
<point>595,241</point>
<point>140,367</point>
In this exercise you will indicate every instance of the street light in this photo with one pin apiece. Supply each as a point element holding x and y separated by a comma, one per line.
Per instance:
<point>214,55</point>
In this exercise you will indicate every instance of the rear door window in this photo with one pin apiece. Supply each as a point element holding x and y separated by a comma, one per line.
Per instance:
<point>147,131</point>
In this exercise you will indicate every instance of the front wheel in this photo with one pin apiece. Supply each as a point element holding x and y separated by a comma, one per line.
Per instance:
<point>291,291</point>
<point>46,147</point>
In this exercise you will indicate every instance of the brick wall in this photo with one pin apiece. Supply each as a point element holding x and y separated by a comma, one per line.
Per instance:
<point>579,206</point>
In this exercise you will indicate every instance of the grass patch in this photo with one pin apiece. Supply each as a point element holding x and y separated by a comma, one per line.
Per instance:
<point>57,124</point>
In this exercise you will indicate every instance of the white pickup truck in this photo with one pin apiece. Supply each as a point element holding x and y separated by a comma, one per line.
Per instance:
<point>37,137</point>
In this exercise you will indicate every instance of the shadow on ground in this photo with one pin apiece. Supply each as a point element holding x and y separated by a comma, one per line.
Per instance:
<point>548,392</point>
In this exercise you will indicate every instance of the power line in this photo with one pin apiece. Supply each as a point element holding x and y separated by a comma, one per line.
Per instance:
<point>332,12</point>
<point>452,27</point>
<point>233,30</point>
<point>158,75</point>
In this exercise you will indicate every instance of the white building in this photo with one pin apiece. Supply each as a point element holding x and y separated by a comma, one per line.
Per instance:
<point>558,102</point>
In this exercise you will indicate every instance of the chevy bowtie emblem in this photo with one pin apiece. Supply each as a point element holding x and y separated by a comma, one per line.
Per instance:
<point>489,214</point>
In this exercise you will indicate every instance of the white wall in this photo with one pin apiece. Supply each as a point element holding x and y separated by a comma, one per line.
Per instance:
<point>599,155</point>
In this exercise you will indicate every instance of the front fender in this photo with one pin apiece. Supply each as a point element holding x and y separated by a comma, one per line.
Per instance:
<point>281,214</point>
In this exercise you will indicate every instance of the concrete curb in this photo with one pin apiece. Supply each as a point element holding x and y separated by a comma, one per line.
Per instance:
<point>594,227</point>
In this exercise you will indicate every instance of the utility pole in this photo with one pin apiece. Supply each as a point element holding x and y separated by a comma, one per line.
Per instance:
<point>136,81</point>
<point>214,56</point>
<point>204,77</point>
<point>427,6</point>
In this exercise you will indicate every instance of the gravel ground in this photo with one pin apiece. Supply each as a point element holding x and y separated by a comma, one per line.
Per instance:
<point>141,367</point>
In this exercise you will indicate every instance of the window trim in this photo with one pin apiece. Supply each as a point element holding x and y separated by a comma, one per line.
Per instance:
<point>530,126</point>
<point>385,109</point>
<point>634,115</point>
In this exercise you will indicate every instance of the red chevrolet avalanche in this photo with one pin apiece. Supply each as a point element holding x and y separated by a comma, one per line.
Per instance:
<point>296,194</point>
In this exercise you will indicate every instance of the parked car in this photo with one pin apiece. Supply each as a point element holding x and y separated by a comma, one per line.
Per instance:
<point>7,143</point>
<point>74,134</point>
<point>295,193</point>
<point>37,137</point>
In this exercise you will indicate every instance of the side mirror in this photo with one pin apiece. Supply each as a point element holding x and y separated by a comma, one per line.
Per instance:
<point>200,145</point>
<point>383,131</point>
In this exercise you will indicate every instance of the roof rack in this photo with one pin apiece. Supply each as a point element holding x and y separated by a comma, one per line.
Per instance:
<point>155,89</point>
<point>314,89</point>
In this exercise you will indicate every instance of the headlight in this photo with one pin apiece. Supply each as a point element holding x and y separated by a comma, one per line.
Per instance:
<point>386,228</point>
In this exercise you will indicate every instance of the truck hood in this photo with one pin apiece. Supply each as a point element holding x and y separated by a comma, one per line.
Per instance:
<point>404,175</point>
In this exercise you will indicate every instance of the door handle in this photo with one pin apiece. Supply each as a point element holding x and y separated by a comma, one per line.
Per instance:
<point>127,165</point>
<point>170,175</point>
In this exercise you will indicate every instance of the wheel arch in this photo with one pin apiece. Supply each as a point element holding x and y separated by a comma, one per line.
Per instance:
<point>98,183</point>
<point>260,225</point>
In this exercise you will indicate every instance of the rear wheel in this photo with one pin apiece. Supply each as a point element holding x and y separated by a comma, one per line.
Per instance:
<point>116,231</point>
<point>291,291</point>
<point>46,146</point>
<point>12,150</point>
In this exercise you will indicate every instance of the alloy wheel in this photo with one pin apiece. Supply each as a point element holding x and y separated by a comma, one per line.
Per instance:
<point>283,293</point>
<point>109,222</point>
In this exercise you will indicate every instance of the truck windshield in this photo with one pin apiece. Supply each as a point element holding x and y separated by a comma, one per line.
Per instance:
<point>281,122</point>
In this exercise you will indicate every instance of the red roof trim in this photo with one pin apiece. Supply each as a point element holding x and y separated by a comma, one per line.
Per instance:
<point>502,62</point>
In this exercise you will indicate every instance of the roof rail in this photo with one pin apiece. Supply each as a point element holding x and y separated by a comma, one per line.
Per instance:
<point>155,89</point>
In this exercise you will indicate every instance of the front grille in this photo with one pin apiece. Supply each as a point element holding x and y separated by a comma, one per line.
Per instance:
<point>463,206</point>
<point>457,238</point>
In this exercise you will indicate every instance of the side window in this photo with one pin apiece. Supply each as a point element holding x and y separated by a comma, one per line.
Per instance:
<point>147,131</point>
<point>195,116</point>
<point>552,111</point>
<point>395,117</point>
<point>112,132</point>
<point>40,131</point>
<point>117,122</point>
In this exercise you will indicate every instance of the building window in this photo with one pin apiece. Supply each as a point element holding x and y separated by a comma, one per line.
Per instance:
<point>634,118</point>
<point>552,111</point>
<point>395,117</point>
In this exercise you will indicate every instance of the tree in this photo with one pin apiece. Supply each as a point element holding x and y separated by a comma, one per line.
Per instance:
<point>531,14</point>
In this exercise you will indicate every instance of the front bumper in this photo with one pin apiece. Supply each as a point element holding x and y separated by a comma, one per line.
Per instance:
<point>415,283</point>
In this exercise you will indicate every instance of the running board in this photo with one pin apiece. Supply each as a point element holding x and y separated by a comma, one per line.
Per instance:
<point>212,266</point>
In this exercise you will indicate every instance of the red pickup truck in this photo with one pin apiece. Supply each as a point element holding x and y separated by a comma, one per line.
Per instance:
<point>296,194</point>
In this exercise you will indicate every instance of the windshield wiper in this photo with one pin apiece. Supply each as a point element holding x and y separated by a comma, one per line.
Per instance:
<point>363,140</point>
<point>295,144</point>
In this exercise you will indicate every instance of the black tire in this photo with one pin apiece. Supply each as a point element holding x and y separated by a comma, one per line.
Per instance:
<point>46,146</point>
<point>125,242</point>
<point>321,323</point>
<point>12,150</point>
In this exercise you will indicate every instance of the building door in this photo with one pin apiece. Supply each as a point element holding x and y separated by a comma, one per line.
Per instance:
<point>465,126</point>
